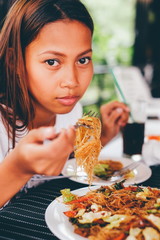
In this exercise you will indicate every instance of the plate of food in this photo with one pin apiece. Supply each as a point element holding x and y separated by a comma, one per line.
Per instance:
<point>104,169</point>
<point>116,211</point>
<point>86,166</point>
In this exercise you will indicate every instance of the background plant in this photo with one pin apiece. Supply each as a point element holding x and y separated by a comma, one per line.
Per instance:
<point>112,45</point>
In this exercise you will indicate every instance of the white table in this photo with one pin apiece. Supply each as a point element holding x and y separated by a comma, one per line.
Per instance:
<point>114,149</point>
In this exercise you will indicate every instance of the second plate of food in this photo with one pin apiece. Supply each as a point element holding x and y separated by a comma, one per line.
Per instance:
<point>138,175</point>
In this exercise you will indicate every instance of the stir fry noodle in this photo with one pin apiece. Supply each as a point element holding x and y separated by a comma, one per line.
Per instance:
<point>106,168</point>
<point>88,144</point>
<point>116,212</point>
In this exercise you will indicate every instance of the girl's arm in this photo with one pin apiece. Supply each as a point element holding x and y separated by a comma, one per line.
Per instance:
<point>31,156</point>
<point>114,116</point>
<point>11,180</point>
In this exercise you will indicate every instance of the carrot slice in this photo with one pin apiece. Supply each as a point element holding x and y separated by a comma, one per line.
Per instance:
<point>70,214</point>
<point>120,237</point>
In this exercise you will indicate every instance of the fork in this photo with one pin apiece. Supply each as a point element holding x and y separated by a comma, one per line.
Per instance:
<point>56,177</point>
<point>121,173</point>
<point>77,125</point>
<point>90,114</point>
<point>116,176</point>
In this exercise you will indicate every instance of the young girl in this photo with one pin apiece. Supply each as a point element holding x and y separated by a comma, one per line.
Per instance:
<point>45,68</point>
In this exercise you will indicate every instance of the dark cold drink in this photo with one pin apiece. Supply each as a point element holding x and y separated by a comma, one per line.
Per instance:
<point>133,138</point>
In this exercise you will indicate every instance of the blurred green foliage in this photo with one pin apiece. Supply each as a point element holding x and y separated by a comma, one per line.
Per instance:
<point>114,30</point>
<point>100,91</point>
<point>113,41</point>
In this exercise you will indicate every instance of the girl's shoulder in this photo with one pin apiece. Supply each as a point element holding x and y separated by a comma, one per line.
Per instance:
<point>2,126</point>
<point>3,139</point>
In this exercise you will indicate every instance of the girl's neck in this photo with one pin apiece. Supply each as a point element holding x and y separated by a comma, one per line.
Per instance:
<point>42,122</point>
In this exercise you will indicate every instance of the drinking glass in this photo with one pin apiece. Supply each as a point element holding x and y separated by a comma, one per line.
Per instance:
<point>133,132</point>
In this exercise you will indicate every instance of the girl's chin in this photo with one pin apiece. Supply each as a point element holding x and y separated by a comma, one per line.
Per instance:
<point>65,109</point>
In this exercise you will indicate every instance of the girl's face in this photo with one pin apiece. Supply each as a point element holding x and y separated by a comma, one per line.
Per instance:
<point>59,66</point>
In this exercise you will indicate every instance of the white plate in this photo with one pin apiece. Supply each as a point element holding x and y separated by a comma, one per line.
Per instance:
<point>142,172</point>
<point>57,222</point>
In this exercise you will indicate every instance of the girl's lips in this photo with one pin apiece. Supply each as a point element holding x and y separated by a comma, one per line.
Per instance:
<point>67,101</point>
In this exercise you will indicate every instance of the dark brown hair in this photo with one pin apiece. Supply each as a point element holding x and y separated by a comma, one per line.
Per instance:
<point>24,21</point>
<point>4,7</point>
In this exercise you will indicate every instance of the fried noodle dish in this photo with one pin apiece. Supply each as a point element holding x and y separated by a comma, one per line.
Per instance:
<point>115,212</point>
<point>106,168</point>
<point>88,144</point>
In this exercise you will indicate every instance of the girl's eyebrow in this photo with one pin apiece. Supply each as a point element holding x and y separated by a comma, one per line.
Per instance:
<point>62,54</point>
<point>85,52</point>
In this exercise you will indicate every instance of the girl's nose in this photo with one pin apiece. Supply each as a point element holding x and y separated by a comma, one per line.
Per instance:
<point>70,78</point>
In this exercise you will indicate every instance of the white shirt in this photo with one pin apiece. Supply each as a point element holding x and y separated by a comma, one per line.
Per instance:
<point>62,121</point>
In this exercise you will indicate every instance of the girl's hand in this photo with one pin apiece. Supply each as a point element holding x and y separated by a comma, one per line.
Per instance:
<point>33,157</point>
<point>114,116</point>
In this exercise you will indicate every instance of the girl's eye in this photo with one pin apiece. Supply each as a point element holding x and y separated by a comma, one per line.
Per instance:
<point>84,60</point>
<point>52,62</point>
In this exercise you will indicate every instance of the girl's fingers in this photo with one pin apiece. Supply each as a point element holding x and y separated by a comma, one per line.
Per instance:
<point>71,133</point>
<point>120,105</point>
<point>107,109</point>
<point>40,134</point>
<point>65,139</point>
<point>67,136</point>
<point>113,117</point>
<point>123,120</point>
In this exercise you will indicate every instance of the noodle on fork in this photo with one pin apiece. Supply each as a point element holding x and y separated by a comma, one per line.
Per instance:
<point>88,144</point>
